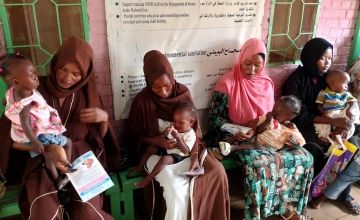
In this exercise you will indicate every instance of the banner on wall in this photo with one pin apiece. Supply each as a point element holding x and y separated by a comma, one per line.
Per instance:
<point>201,39</point>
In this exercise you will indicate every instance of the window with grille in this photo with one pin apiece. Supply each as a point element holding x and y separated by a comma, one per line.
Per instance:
<point>293,23</point>
<point>36,28</point>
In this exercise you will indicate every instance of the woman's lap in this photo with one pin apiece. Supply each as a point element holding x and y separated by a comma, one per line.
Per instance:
<point>39,200</point>
<point>176,188</point>
<point>211,192</point>
<point>274,179</point>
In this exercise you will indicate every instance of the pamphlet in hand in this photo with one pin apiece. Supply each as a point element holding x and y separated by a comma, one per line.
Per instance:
<point>90,179</point>
<point>233,128</point>
<point>197,172</point>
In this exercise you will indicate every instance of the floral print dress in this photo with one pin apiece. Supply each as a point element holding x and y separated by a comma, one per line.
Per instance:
<point>274,179</point>
<point>44,119</point>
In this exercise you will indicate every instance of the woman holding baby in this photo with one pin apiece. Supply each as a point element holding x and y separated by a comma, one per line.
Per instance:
<point>202,197</point>
<point>305,83</point>
<point>276,182</point>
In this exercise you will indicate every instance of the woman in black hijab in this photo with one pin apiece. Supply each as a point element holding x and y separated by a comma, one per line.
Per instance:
<point>305,83</point>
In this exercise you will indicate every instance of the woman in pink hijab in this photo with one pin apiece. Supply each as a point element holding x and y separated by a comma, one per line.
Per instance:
<point>249,91</point>
<point>276,181</point>
<point>242,94</point>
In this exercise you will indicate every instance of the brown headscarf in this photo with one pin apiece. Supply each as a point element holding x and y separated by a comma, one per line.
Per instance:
<point>147,106</point>
<point>82,95</point>
<point>74,50</point>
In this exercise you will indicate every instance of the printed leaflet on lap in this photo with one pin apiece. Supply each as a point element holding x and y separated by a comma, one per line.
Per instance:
<point>90,179</point>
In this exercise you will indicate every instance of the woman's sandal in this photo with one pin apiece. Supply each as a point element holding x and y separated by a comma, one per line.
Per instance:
<point>305,217</point>
<point>225,148</point>
<point>316,202</point>
<point>352,206</point>
<point>294,216</point>
<point>61,181</point>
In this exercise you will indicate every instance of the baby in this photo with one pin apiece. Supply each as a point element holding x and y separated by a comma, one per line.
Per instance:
<point>184,117</point>
<point>334,102</point>
<point>34,122</point>
<point>273,130</point>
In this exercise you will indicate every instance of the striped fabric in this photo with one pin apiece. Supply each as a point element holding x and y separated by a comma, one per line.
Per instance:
<point>332,101</point>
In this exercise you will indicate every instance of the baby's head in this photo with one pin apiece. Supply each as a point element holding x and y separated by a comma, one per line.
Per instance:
<point>286,108</point>
<point>338,80</point>
<point>18,71</point>
<point>184,116</point>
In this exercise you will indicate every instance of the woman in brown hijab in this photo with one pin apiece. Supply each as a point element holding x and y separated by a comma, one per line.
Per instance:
<point>207,196</point>
<point>71,90</point>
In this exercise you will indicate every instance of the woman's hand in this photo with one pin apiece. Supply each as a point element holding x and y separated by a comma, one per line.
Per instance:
<point>93,115</point>
<point>343,133</point>
<point>343,123</point>
<point>58,156</point>
<point>38,147</point>
<point>243,137</point>
<point>164,143</point>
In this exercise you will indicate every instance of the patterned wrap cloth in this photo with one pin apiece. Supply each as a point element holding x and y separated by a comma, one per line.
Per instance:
<point>276,179</point>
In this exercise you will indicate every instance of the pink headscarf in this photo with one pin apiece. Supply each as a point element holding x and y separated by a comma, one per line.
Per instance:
<point>248,98</point>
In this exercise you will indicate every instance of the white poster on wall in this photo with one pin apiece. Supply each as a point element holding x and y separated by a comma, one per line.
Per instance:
<point>202,40</point>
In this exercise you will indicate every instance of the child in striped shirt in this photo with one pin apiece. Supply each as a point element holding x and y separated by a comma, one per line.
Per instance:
<point>336,102</point>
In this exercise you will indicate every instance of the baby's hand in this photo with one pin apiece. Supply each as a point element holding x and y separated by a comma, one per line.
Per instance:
<point>350,116</point>
<point>291,141</point>
<point>168,130</point>
<point>175,133</point>
<point>38,147</point>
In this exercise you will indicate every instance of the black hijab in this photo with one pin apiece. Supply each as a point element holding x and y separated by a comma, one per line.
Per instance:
<point>311,53</point>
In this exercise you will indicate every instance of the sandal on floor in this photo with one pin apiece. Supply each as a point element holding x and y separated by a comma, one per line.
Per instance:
<point>294,216</point>
<point>316,202</point>
<point>305,217</point>
<point>225,148</point>
<point>352,206</point>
